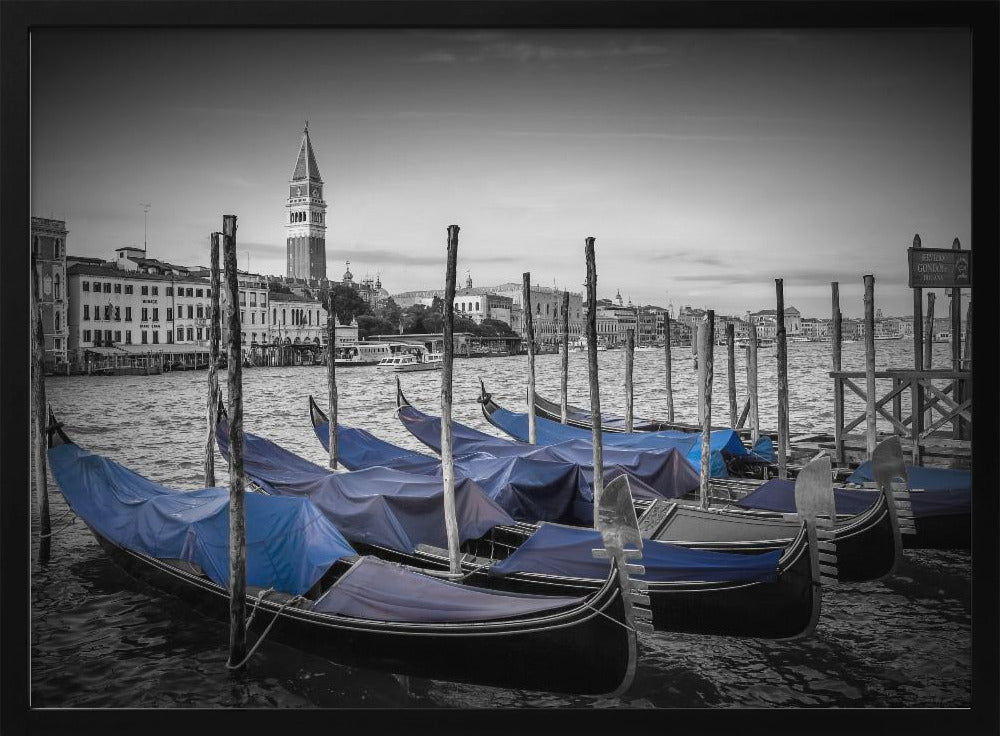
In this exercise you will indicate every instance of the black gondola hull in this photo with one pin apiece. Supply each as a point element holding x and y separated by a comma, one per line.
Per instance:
<point>580,652</point>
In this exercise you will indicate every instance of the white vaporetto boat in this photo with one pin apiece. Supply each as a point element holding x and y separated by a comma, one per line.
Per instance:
<point>410,362</point>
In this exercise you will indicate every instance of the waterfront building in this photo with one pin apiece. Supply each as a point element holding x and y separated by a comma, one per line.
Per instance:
<point>48,246</point>
<point>305,224</point>
<point>793,319</point>
<point>133,303</point>
<point>546,301</point>
<point>425,297</point>
<point>298,320</point>
<point>478,304</point>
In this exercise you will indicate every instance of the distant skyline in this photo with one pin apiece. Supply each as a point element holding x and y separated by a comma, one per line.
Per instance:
<point>705,163</point>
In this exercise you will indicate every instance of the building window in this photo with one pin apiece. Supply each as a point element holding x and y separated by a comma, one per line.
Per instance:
<point>170,314</point>
<point>56,287</point>
<point>86,285</point>
<point>170,336</point>
<point>118,288</point>
<point>190,292</point>
<point>118,314</point>
<point>253,318</point>
<point>118,335</point>
<point>199,292</point>
<point>170,291</point>
<point>129,289</point>
<point>86,311</point>
<point>156,291</point>
<point>190,311</point>
<point>243,298</point>
<point>145,337</point>
<point>156,337</point>
<point>107,313</point>
<point>190,333</point>
<point>128,337</point>
<point>97,287</point>
<point>180,333</point>
<point>128,314</point>
<point>208,293</point>
<point>200,311</point>
<point>242,317</point>
<point>86,335</point>
<point>156,314</point>
<point>107,337</point>
<point>145,314</point>
<point>57,321</point>
<point>145,292</point>
<point>107,287</point>
<point>199,333</point>
<point>253,298</point>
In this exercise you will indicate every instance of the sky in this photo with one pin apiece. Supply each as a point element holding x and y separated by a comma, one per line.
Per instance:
<point>705,163</point>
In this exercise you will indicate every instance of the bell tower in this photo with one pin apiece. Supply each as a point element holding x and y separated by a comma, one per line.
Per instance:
<point>305,223</point>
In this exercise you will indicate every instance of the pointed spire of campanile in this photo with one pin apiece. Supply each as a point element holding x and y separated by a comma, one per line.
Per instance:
<point>305,163</point>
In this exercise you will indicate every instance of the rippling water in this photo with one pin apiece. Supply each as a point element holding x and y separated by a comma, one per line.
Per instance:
<point>100,640</point>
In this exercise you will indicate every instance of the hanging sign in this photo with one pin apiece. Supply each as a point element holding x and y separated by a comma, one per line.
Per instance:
<point>940,268</point>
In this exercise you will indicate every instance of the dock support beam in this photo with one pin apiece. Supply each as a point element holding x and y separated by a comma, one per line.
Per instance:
<point>40,411</point>
<point>563,398</point>
<point>667,359</point>
<point>331,376</point>
<point>629,364</point>
<point>731,354</point>
<point>214,338</point>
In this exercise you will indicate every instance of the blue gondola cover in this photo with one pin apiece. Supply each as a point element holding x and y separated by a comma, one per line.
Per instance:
<point>379,506</point>
<point>566,551</point>
<point>290,544</point>
<point>664,472</point>
<point>382,591</point>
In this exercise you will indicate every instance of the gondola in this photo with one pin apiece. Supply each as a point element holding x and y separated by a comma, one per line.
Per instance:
<point>358,610</point>
<point>940,501</point>
<point>723,591</point>
<point>868,540</point>
<point>728,454</point>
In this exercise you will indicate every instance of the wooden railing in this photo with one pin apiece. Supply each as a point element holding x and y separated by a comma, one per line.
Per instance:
<point>932,409</point>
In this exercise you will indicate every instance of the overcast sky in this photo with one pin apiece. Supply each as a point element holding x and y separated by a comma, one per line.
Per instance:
<point>705,163</point>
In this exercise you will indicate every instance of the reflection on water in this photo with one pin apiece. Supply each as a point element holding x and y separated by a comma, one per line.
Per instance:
<point>100,639</point>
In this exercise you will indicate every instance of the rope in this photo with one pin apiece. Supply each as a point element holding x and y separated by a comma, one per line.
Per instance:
<point>260,597</point>
<point>253,649</point>
<point>68,524</point>
<point>612,619</point>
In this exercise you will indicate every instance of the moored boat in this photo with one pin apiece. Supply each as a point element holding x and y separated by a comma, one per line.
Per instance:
<point>867,536</point>
<point>323,597</point>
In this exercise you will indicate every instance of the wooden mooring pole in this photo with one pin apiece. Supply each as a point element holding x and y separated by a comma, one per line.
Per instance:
<point>629,363</point>
<point>957,390</point>
<point>752,385</point>
<point>595,395</point>
<point>39,407</point>
<point>916,392</point>
<point>779,285</point>
<point>836,323</point>
<point>331,376</point>
<point>929,349</point>
<point>214,338</point>
<point>870,435</point>
<point>237,479</point>
<point>706,342</point>
<point>447,459</point>
<point>667,359</point>
<point>731,354</point>
<point>564,377</point>
<point>529,330</point>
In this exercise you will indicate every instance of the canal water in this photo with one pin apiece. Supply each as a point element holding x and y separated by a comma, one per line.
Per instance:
<point>100,640</point>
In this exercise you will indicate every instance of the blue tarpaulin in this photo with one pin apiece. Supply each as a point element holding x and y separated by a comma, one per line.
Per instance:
<point>779,495</point>
<point>379,506</point>
<point>290,544</point>
<point>566,551</point>
<point>381,591</point>
<point>928,479</point>
<point>687,443</point>
<point>529,490</point>
<point>660,474</point>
